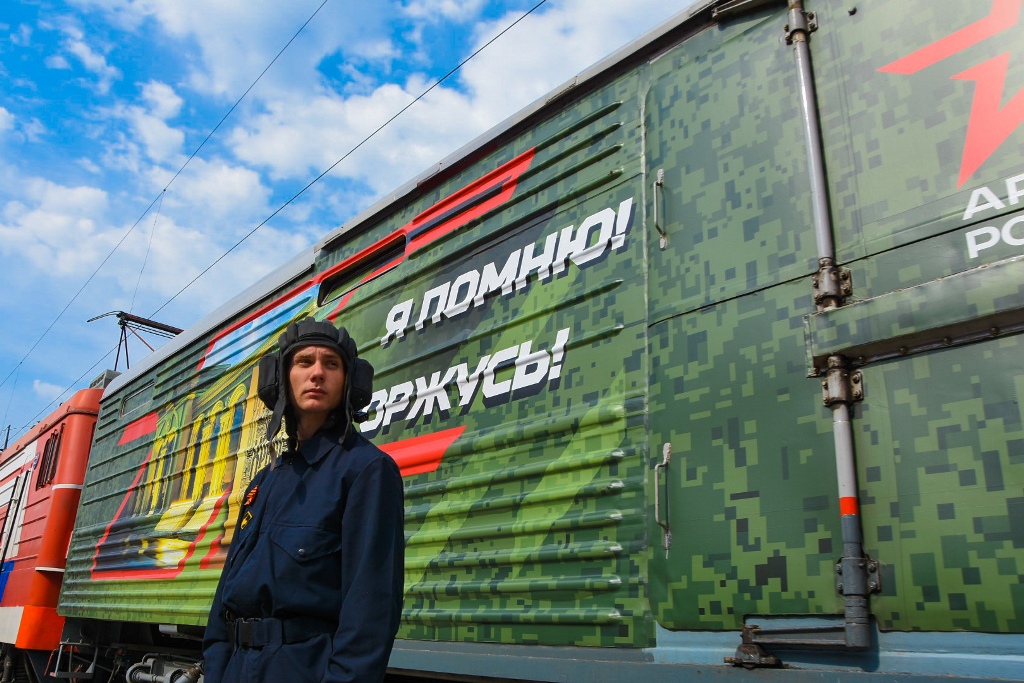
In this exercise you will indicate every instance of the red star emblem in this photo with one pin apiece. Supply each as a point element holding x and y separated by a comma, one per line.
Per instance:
<point>990,123</point>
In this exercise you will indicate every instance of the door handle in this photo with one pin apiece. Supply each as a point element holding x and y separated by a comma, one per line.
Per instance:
<point>665,526</point>
<point>659,181</point>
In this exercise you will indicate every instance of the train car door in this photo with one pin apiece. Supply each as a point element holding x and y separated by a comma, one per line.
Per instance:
<point>743,513</point>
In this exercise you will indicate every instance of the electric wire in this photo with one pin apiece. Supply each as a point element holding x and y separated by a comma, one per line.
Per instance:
<point>37,416</point>
<point>348,154</point>
<point>302,191</point>
<point>149,247</point>
<point>13,389</point>
<point>162,192</point>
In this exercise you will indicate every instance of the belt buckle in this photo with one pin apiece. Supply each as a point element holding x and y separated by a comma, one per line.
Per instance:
<point>245,630</point>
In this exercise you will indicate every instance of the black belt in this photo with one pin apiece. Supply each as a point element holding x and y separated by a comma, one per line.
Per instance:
<point>257,633</point>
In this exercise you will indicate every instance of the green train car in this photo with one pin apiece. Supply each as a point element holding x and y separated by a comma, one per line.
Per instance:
<point>708,362</point>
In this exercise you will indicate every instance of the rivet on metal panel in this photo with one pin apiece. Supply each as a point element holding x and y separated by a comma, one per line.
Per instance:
<point>858,385</point>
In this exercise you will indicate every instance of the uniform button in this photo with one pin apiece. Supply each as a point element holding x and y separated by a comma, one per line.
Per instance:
<point>302,552</point>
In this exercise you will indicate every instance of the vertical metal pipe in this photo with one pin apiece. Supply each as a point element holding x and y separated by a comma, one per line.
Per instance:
<point>798,31</point>
<point>853,583</point>
<point>853,567</point>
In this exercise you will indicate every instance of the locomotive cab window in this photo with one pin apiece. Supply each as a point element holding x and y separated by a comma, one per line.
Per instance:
<point>48,462</point>
<point>365,266</point>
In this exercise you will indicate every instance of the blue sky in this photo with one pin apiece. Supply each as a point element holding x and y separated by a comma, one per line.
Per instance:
<point>103,101</point>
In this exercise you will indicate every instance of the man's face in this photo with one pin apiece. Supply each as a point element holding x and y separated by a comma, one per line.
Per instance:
<point>317,381</point>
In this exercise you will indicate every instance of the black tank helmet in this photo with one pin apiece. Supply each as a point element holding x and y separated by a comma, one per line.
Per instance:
<point>272,387</point>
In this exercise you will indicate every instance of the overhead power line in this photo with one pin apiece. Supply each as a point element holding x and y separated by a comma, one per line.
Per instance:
<point>159,196</point>
<point>262,223</point>
<point>348,154</point>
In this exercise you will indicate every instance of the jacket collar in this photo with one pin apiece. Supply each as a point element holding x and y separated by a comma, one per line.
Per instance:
<point>316,448</point>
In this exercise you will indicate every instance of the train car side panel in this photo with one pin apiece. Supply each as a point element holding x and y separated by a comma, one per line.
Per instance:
<point>43,474</point>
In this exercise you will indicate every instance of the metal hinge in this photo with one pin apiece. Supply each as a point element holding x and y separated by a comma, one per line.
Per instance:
<point>832,285</point>
<point>840,385</point>
<point>858,576</point>
<point>800,25</point>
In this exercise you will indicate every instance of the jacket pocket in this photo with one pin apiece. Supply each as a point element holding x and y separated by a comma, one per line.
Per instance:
<point>306,544</point>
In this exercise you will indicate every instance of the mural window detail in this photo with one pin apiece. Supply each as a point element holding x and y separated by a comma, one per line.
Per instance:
<point>366,266</point>
<point>136,400</point>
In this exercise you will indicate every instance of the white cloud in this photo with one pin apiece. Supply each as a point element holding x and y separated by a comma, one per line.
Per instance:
<point>65,232</point>
<point>89,165</point>
<point>536,56</point>
<point>23,36</point>
<point>54,228</point>
<point>160,141</point>
<point>6,120</point>
<point>94,62</point>
<point>33,129</point>
<point>58,62</point>
<point>164,102</point>
<point>232,196</point>
<point>545,50</point>
<point>148,131</point>
<point>230,43</point>
<point>46,391</point>
<point>437,10</point>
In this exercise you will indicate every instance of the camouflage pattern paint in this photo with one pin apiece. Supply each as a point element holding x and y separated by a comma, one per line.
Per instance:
<point>536,348</point>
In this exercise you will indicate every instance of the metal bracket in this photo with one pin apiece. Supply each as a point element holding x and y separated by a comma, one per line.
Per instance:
<point>801,24</point>
<point>840,385</point>
<point>750,655</point>
<point>72,671</point>
<point>857,576</point>
<point>832,285</point>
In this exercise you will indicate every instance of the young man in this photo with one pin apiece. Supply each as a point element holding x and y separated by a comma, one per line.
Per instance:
<point>312,587</point>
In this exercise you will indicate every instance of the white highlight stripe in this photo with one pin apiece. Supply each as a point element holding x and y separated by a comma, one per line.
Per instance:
<point>10,622</point>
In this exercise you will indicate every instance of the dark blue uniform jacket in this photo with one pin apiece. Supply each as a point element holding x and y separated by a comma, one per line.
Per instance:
<point>320,542</point>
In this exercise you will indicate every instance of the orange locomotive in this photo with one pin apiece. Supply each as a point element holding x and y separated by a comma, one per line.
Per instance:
<point>41,478</point>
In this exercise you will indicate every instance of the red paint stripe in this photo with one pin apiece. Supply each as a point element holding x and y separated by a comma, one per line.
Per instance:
<point>215,543</point>
<point>422,453</point>
<point>505,176</point>
<point>991,121</point>
<point>120,510</point>
<point>848,506</point>
<point>144,426</point>
<point>169,572</point>
<point>1004,14</point>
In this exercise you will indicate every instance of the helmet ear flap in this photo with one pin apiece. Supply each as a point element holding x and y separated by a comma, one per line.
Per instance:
<point>361,384</point>
<point>271,390</point>
<point>268,384</point>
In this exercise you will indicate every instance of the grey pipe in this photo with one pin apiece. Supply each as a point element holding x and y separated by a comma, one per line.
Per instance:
<point>798,31</point>
<point>853,570</point>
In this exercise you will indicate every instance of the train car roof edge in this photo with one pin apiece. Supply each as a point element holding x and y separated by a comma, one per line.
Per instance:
<point>306,259</point>
<point>587,75</point>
